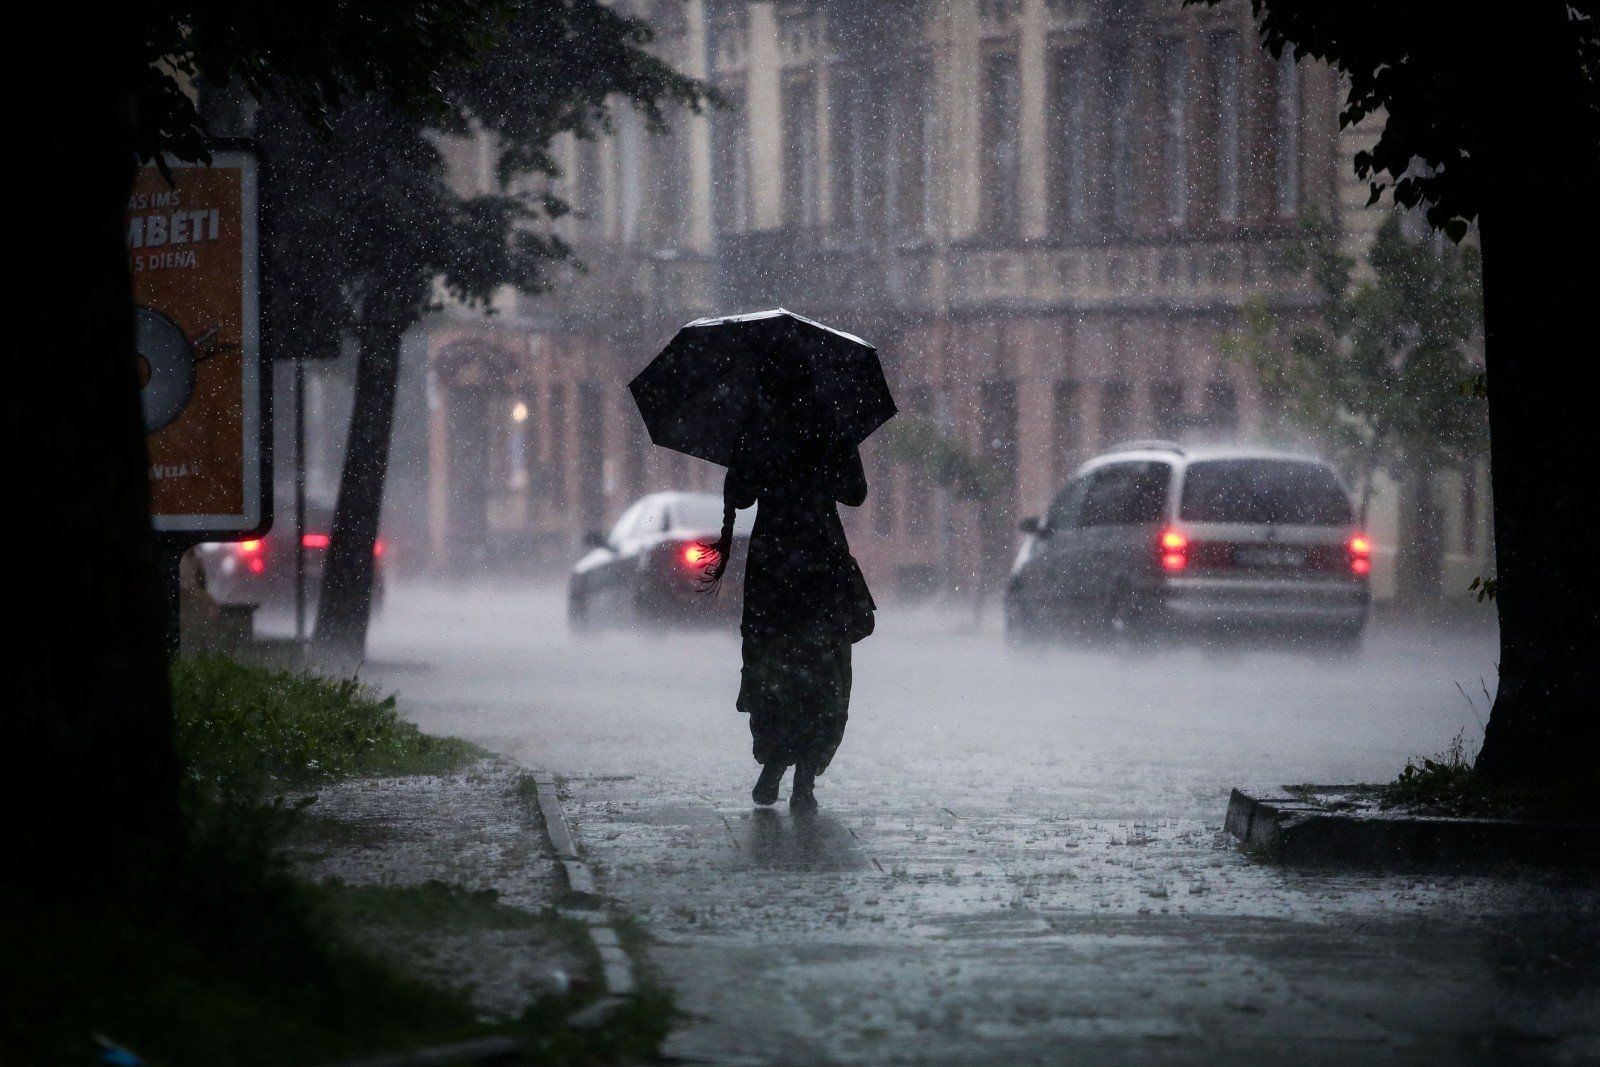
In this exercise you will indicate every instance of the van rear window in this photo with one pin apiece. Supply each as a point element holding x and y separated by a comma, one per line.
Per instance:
<point>1271,491</point>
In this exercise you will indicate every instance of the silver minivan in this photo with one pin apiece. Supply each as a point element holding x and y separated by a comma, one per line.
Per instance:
<point>1153,539</point>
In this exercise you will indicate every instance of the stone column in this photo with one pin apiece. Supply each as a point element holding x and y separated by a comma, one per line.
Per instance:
<point>694,62</point>
<point>763,105</point>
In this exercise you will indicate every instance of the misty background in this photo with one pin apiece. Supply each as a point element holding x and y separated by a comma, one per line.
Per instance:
<point>1064,224</point>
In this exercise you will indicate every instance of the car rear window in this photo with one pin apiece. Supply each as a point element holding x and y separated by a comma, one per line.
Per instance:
<point>1273,491</point>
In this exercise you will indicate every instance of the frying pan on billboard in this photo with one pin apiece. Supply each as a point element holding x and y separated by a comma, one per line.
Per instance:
<point>194,253</point>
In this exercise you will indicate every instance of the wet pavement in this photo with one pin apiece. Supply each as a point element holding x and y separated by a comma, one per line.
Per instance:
<point>1019,857</point>
<point>474,829</point>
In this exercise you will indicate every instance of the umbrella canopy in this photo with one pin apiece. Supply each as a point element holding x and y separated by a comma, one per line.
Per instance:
<point>698,395</point>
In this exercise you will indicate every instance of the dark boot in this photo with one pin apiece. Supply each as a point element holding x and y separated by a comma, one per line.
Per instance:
<point>802,798</point>
<point>766,790</point>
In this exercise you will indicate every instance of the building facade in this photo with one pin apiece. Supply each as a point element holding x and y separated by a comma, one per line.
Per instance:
<point>1047,214</point>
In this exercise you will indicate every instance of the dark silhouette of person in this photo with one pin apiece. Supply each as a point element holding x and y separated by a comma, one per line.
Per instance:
<point>805,601</point>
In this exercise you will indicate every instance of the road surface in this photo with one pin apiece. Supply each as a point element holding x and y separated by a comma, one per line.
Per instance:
<point>1019,856</point>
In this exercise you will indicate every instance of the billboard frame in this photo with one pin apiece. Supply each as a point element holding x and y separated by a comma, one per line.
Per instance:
<point>255,518</point>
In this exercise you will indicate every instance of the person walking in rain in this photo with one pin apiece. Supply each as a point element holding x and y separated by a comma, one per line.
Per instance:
<point>805,600</point>
<point>784,403</point>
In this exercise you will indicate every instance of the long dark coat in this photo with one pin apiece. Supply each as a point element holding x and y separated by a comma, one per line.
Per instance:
<point>804,597</point>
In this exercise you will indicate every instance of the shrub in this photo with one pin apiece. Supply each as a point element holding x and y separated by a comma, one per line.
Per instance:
<point>247,732</point>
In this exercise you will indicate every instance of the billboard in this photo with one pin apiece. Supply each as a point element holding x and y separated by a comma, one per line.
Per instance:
<point>194,255</point>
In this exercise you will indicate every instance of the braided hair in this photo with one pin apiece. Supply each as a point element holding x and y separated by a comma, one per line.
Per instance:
<point>723,547</point>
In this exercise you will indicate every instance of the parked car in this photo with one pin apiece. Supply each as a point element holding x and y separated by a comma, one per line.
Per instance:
<point>1155,540</point>
<point>649,567</point>
<point>260,571</point>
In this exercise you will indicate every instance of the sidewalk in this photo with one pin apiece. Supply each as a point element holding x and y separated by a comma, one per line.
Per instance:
<point>891,928</point>
<point>475,831</point>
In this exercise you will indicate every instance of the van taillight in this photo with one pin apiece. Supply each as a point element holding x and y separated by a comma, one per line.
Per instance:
<point>1173,548</point>
<point>1359,548</point>
<point>250,553</point>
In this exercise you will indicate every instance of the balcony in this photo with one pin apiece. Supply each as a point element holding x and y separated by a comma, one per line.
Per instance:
<point>809,270</point>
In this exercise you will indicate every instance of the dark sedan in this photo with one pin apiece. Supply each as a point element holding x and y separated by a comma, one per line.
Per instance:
<point>648,568</point>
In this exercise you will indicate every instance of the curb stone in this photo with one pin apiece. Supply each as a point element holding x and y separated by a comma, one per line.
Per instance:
<point>488,1050</point>
<point>1343,824</point>
<point>616,966</point>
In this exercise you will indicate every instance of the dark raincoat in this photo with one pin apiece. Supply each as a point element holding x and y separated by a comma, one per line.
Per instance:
<point>805,601</point>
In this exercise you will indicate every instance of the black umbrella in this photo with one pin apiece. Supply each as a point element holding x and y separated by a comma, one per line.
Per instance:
<point>699,393</point>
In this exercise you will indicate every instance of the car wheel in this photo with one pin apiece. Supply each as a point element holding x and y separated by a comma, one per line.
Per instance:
<point>1021,624</point>
<point>1127,624</point>
<point>578,617</point>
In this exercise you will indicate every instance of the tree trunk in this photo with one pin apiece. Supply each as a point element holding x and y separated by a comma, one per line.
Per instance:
<point>92,693</point>
<point>345,604</point>
<point>1540,240</point>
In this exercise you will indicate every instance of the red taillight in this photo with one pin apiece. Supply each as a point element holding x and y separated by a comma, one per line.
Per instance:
<point>1360,548</point>
<point>694,555</point>
<point>321,541</point>
<point>1174,549</point>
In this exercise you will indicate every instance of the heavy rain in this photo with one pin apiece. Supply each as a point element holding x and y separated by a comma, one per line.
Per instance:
<point>737,531</point>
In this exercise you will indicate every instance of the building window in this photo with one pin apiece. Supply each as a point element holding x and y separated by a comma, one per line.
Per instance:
<point>845,207</point>
<point>802,199</point>
<point>1287,149</point>
<point>555,456</point>
<point>1064,429</point>
<point>1175,86</point>
<point>1222,406</point>
<point>998,14</point>
<point>730,165</point>
<point>521,443</point>
<point>666,185</point>
<point>634,443</point>
<point>1223,51</point>
<point>997,422</point>
<point>590,457</point>
<point>1068,138</point>
<point>1166,407</point>
<point>586,194</point>
<point>729,35</point>
<point>1124,133</point>
<point>669,18</point>
<point>910,173</point>
<point>918,484</point>
<point>1001,158</point>
<point>1116,412</point>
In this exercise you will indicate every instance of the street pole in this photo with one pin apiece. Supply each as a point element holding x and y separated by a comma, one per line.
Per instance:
<point>169,566</point>
<point>299,501</point>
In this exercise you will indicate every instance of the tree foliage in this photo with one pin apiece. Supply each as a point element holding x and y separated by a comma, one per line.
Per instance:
<point>311,56</point>
<point>1497,120</point>
<point>1428,70</point>
<point>360,204</point>
<point>369,233</point>
<point>913,441</point>
<point>1386,379</point>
